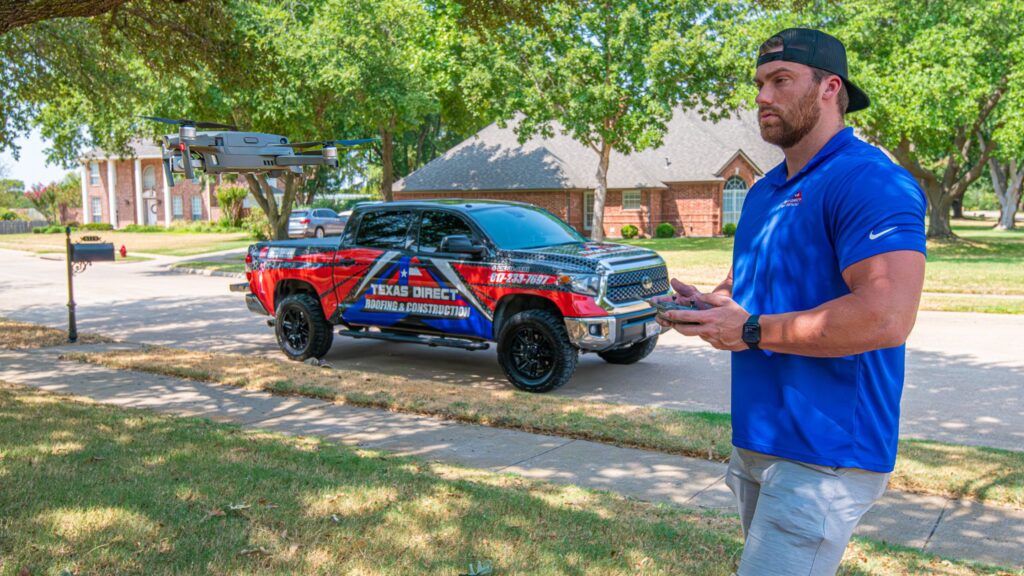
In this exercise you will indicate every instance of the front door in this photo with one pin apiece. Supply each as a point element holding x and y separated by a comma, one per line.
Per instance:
<point>151,211</point>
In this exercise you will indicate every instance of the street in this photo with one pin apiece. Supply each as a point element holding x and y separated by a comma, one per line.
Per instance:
<point>964,371</point>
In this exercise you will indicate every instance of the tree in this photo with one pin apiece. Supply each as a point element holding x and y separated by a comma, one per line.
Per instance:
<point>941,77</point>
<point>15,13</point>
<point>611,73</point>
<point>1007,179</point>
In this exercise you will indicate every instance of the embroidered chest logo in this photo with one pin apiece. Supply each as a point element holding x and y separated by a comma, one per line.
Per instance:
<point>793,200</point>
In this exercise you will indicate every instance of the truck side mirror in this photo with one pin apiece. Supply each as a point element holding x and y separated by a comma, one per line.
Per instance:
<point>460,244</point>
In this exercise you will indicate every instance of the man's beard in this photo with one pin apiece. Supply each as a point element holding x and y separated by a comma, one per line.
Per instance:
<point>792,128</point>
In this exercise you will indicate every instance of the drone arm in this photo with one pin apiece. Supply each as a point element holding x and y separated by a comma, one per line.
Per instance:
<point>305,161</point>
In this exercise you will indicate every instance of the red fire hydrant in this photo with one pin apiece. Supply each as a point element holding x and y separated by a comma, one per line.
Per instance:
<point>124,251</point>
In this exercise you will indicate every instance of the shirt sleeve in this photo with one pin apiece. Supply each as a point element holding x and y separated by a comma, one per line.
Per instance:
<point>879,209</point>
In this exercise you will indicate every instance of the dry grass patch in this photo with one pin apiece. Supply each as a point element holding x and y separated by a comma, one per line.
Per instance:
<point>170,243</point>
<point>16,335</point>
<point>704,435</point>
<point>983,474</point>
<point>188,496</point>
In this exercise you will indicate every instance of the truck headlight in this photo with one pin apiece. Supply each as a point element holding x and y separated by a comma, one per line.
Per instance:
<point>588,284</point>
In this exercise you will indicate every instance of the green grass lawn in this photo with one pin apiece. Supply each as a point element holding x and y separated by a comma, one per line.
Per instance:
<point>168,243</point>
<point>93,489</point>
<point>982,261</point>
<point>235,265</point>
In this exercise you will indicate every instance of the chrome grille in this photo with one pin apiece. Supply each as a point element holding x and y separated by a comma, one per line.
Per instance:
<point>629,286</point>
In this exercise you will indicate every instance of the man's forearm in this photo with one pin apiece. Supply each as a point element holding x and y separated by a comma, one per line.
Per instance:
<point>848,325</point>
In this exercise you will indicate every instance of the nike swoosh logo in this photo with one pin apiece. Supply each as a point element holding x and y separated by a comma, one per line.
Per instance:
<point>874,236</point>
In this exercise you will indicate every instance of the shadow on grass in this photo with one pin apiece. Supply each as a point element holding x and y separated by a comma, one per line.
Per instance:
<point>103,490</point>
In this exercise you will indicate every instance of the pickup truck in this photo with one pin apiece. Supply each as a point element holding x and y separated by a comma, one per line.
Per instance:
<point>462,273</point>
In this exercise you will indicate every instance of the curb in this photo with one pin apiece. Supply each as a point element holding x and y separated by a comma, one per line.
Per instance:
<point>201,272</point>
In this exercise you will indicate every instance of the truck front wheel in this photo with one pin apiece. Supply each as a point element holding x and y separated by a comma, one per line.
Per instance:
<point>534,351</point>
<point>301,329</point>
<point>630,354</point>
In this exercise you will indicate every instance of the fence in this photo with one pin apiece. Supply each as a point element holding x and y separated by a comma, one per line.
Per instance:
<point>19,226</point>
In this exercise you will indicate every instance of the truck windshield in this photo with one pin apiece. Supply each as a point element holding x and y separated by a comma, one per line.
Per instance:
<point>518,227</point>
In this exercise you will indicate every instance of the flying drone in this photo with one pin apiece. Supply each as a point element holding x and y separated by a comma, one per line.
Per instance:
<point>225,149</point>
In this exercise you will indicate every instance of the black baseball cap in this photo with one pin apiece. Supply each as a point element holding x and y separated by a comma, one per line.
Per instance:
<point>820,50</point>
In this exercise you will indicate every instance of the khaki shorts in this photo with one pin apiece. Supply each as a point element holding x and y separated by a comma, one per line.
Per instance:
<point>797,518</point>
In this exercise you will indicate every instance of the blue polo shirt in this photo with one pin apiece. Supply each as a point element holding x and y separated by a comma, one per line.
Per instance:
<point>793,241</point>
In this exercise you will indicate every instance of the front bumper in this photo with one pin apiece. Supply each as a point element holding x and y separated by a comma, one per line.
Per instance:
<point>610,332</point>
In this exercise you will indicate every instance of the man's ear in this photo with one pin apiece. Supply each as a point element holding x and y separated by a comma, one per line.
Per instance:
<point>833,84</point>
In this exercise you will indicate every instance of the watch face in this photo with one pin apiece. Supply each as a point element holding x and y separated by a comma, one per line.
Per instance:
<point>751,333</point>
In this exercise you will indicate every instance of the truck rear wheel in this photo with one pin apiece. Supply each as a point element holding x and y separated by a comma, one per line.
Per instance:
<point>534,351</point>
<point>630,354</point>
<point>301,329</point>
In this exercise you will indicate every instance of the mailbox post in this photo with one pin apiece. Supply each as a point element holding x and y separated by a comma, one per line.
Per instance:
<point>79,256</point>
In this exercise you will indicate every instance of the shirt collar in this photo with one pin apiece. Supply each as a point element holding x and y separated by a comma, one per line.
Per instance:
<point>837,142</point>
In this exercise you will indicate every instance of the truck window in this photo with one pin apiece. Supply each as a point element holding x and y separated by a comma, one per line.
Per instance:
<point>384,229</point>
<point>436,225</point>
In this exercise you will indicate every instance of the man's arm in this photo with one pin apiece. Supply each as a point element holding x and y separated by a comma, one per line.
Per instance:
<point>725,288</point>
<point>879,312</point>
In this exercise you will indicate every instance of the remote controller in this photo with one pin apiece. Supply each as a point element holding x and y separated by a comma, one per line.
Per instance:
<point>663,307</point>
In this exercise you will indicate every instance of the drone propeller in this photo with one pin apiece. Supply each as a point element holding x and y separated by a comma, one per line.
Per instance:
<point>330,143</point>
<point>193,123</point>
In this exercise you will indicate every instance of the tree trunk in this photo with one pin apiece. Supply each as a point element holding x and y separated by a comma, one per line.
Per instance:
<point>1007,180</point>
<point>387,161</point>
<point>277,217</point>
<point>958,209</point>
<point>939,204</point>
<point>601,193</point>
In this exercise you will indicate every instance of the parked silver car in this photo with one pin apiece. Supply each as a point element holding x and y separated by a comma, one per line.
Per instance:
<point>317,222</point>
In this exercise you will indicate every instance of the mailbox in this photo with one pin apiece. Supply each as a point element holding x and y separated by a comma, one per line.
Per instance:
<point>92,252</point>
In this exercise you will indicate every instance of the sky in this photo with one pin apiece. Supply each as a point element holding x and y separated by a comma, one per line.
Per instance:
<point>31,167</point>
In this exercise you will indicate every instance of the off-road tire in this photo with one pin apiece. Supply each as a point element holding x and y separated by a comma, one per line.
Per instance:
<point>319,232</point>
<point>630,354</point>
<point>534,351</point>
<point>301,329</point>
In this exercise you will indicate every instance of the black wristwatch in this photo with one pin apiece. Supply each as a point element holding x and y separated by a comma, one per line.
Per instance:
<point>752,331</point>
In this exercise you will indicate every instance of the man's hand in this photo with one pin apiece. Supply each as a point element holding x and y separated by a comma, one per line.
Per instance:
<point>685,294</point>
<point>721,325</point>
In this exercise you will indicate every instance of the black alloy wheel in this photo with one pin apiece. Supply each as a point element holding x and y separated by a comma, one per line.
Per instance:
<point>535,352</point>
<point>532,354</point>
<point>295,328</point>
<point>302,330</point>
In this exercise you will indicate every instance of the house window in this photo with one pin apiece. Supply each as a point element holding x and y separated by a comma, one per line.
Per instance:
<point>588,210</point>
<point>197,208</point>
<point>631,200</point>
<point>148,178</point>
<point>732,200</point>
<point>177,207</point>
<point>97,210</point>
<point>94,173</point>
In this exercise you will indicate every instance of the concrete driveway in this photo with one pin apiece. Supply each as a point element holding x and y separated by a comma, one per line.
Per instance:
<point>965,372</point>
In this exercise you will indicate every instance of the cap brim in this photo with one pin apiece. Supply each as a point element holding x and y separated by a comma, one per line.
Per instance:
<point>858,99</point>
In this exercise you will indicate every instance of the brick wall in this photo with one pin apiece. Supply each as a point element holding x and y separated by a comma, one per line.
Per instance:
<point>124,191</point>
<point>694,208</point>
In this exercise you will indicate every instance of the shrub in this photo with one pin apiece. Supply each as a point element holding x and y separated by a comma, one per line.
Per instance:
<point>8,215</point>
<point>630,231</point>
<point>257,224</point>
<point>143,228</point>
<point>230,199</point>
<point>51,229</point>
<point>665,230</point>
<point>96,226</point>
<point>729,229</point>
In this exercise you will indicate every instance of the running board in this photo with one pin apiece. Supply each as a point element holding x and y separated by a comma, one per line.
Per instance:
<point>432,341</point>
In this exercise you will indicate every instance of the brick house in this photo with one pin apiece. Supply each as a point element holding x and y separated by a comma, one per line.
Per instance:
<point>696,180</point>
<point>133,190</point>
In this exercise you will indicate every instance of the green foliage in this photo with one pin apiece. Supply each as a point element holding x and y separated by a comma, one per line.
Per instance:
<point>51,229</point>
<point>257,225</point>
<point>230,199</point>
<point>12,194</point>
<point>8,215</point>
<point>729,229</point>
<point>96,226</point>
<point>337,205</point>
<point>629,231</point>
<point>665,230</point>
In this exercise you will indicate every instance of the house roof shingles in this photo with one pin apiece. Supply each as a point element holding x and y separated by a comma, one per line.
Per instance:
<point>692,150</point>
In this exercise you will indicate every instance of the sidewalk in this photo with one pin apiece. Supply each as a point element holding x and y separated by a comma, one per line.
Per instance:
<point>952,528</point>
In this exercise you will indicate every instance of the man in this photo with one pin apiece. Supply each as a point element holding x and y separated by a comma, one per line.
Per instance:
<point>828,266</point>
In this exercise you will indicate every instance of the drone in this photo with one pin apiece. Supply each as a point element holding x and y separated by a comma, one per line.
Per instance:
<point>225,149</point>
